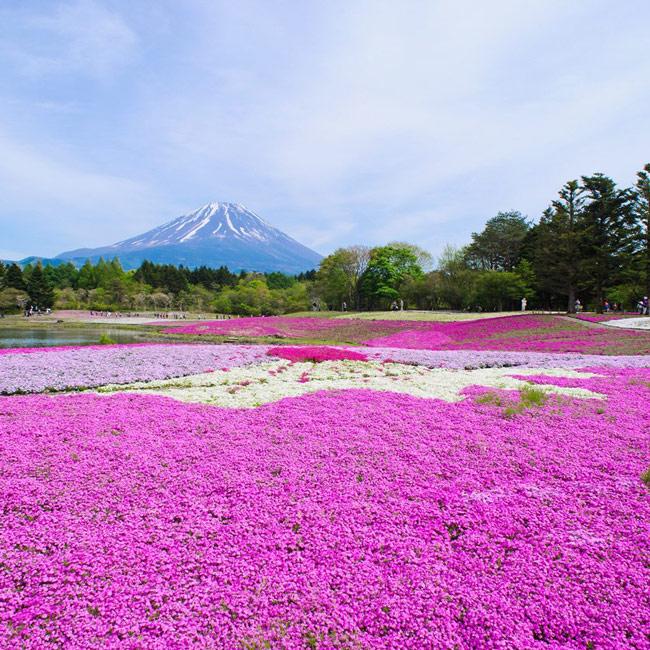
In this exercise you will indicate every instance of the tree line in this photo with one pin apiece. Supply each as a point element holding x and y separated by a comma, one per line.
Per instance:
<point>106,286</point>
<point>592,243</point>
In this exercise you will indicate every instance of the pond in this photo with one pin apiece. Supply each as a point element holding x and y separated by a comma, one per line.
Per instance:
<point>35,337</point>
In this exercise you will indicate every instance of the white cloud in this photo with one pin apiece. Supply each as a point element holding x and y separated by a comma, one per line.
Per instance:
<point>388,107</point>
<point>340,122</point>
<point>58,202</point>
<point>79,37</point>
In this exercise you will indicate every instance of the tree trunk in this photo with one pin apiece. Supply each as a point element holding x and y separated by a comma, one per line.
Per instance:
<point>572,300</point>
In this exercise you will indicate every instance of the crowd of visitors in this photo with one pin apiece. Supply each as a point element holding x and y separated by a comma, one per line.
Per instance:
<point>35,310</point>
<point>642,307</point>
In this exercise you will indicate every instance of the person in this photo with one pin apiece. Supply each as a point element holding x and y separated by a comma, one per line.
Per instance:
<point>393,306</point>
<point>344,306</point>
<point>646,306</point>
<point>606,306</point>
<point>578,306</point>
<point>401,305</point>
<point>524,302</point>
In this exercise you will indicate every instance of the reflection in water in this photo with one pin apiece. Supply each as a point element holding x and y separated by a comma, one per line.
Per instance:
<point>25,337</point>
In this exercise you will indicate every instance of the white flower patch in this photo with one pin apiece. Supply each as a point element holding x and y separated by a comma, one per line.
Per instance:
<point>252,386</point>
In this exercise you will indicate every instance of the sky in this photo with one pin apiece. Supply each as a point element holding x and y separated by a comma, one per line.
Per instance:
<point>339,122</point>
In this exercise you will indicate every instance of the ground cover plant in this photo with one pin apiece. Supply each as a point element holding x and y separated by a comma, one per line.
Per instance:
<point>56,369</point>
<point>322,329</point>
<point>288,496</point>
<point>540,333</point>
<point>339,519</point>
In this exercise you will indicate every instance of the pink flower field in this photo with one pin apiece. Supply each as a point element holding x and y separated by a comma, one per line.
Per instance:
<point>356,517</point>
<point>526,333</point>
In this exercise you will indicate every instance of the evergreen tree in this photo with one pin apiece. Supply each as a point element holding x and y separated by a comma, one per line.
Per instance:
<point>87,277</point>
<point>498,247</point>
<point>14,277</point>
<point>556,244</point>
<point>39,289</point>
<point>3,271</point>
<point>606,237</point>
<point>642,213</point>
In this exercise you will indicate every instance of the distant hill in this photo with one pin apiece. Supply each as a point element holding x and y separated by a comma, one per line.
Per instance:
<point>32,259</point>
<point>214,235</point>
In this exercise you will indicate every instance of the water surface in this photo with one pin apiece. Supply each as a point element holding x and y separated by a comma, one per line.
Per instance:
<point>36,337</point>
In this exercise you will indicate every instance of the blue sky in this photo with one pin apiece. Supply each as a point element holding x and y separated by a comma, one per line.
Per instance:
<point>339,122</point>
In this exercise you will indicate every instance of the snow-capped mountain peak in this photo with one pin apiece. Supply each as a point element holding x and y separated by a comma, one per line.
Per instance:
<point>215,234</point>
<point>213,220</point>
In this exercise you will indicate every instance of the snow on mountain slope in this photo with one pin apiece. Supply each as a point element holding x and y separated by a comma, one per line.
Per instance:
<point>215,234</point>
<point>214,220</point>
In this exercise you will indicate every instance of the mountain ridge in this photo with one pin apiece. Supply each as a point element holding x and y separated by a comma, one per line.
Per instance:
<point>216,234</point>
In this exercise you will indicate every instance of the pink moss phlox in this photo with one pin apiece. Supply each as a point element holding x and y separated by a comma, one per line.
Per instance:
<point>358,518</point>
<point>316,353</point>
<point>351,330</point>
<point>514,333</point>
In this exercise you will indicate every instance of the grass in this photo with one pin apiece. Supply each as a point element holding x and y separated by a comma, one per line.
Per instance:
<point>529,397</point>
<point>645,477</point>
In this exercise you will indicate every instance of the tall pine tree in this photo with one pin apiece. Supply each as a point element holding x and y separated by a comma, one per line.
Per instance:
<point>642,212</point>
<point>606,234</point>
<point>14,277</point>
<point>39,289</point>
<point>556,251</point>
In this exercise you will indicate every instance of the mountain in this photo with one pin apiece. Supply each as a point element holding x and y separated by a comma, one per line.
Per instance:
<point>214,235</point>
<point>45,261</point>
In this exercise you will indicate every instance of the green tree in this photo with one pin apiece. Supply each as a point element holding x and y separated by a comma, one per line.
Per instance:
<point>14,277</point>
<point>499,290</point>
<point>424,258</point>
<point>12,299</point>
<point>455,280</point>
<point>277,280</point>
<point>606,234</point>
<point>642,213</point>
<point>556,252</point>
<point>87,277</point>
<point>388,268</point>
<point>339,275</point>
<point>498,247</point>
<point>40,291</point>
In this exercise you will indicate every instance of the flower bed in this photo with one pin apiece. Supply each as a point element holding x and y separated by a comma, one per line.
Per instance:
<point>519,333</point>
<point>338,519</point>
<point>253,386</point>
<point>331,497</point>
<point>316,354</point>
<point>76,368</point>
<point>71,368</point>
<point>343,330</point>
<point>525,333</point>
